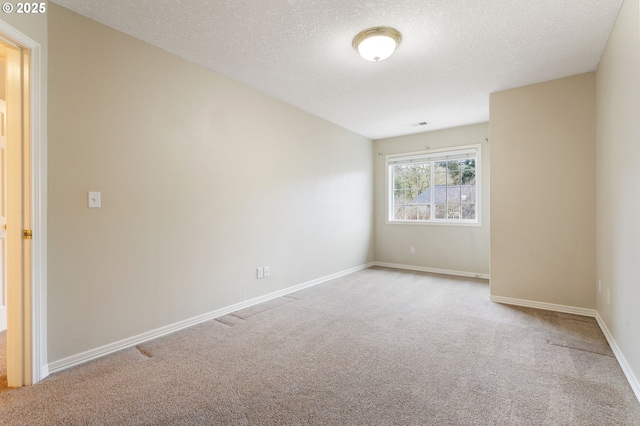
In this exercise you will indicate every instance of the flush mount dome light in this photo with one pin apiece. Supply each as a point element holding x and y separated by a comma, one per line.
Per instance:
<point>377,43</point>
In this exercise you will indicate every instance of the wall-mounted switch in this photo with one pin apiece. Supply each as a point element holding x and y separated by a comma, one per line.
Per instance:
<point>412,250</point>
<point>260,272</point>
<point>267,272</point>
<point>95,201</point>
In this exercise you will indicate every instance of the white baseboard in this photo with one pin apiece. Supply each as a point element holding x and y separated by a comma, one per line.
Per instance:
<point>628,372</point>
<point>432,270</point>
<point>44,372</point>
<point>544,306</point>
<point>92,354</point>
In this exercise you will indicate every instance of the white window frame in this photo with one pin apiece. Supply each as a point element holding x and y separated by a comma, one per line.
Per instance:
<point>434,155</point>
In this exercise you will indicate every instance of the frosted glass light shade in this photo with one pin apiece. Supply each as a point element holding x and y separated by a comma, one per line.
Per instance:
<point>377,44</point>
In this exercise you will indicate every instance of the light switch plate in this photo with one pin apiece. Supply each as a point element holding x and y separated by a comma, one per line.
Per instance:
<point>95,201</point>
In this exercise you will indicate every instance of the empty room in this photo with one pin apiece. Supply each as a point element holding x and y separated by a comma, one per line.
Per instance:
<point>329,212</point>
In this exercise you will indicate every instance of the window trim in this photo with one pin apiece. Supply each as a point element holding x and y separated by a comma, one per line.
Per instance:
<point>392,159</point>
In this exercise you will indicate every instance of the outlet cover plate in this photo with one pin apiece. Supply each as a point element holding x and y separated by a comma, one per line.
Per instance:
<point>95,201</point>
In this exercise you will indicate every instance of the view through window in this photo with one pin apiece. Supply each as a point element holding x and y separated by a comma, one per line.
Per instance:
<point>436,186</point>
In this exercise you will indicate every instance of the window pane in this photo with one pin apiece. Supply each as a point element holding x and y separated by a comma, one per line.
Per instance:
<point>453,194</point>
<point>440,194</point>
<point>453,211</point>
<point>469,176</point>
<point>399,196</point>
<point>412,213</point>
<point>454,172</point>
<point>440,172</point>
<point>424,196</point>
<point>468,211</point>
<point>441,211</point>
<point>399,177</point>
<point>424,212</point>
<point>398,213</point>
<point>420,175</point>
<point>441,179</point>
<point>468,194</point>
<point>412,196</point>
<point>440,166</point>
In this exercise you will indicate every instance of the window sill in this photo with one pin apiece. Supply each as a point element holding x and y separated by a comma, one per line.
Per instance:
<point>433,223</point>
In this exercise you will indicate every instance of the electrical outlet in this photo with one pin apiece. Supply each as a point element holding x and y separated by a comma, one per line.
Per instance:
<point>412,250</point>
<point>599,286</point>
<point>260,272</point>
<point>267,271</point>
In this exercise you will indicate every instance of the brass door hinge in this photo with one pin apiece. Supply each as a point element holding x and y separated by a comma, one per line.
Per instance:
<point>28,234</point>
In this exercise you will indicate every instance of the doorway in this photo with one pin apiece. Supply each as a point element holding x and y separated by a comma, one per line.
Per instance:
<point>24,181</point>
<point>3,215</point>
<point>3,219</point>
<point>13,250</point>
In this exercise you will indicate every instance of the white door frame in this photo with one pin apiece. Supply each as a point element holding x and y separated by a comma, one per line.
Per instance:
<point>33,327</point>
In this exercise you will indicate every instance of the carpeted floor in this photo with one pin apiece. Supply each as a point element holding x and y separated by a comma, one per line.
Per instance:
<point>377,347</point>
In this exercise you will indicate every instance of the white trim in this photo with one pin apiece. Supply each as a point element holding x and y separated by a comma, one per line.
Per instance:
<point>433,270</point>
<point>433,222</point>
<point>92,354</point>
<point>628,372</point>
<point>38,223</point>
<point>38,206</point>
<point>544,306</point>
<point>433,154</point>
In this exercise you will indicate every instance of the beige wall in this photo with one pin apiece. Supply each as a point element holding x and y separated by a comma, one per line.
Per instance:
<point>618,201</point>
<point>202,180</point>
<point>453,248</point>
<point>543,192</point>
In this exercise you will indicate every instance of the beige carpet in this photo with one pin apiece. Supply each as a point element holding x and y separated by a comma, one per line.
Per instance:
<point>377,347</point>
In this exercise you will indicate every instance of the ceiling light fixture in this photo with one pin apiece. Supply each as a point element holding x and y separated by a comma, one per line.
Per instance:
<point>377,43</point>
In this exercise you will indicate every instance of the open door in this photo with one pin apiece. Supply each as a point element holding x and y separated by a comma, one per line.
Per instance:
<point>15,237</point>
<point>3,187</point>
<point>25,208</point>
<point>3,213</point>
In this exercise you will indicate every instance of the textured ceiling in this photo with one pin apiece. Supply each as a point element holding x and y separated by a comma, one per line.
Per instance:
<point>454,53</point>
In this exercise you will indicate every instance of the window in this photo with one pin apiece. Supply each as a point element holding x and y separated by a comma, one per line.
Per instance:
<point>437,186</point>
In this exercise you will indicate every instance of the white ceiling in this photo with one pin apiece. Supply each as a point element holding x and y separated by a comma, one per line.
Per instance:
<point>454,53</point>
